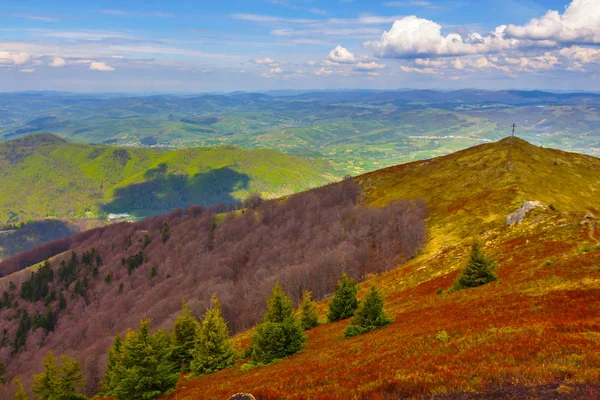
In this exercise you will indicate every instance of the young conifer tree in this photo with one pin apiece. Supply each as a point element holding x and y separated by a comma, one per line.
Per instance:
<point>477,272</point>
<point>213,350</point>
<point>184,338</point>
<point>280,334</point>
<point>146,369</point>
<point>112,371</point>
<point>59,380</point>
<point>369,316</point>
<point>20,393</point>
<point>344,301</point>
<point>308,312</point>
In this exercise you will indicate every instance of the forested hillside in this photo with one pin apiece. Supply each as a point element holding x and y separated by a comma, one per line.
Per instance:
<point>106,280</point>
<point>44,176</point>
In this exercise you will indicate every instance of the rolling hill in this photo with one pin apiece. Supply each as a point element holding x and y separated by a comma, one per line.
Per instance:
<point>358,130</point>
<point>535,332</point>
<point>44,176</point>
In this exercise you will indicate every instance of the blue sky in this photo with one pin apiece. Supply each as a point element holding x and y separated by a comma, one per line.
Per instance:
<point>204,46</point>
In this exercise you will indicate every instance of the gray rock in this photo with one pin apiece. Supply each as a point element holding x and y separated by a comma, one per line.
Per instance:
<point>518,215</point>
<point>242,396</point>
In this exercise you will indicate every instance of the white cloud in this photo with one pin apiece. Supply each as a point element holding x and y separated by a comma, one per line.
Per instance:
<point>583,55</point>
<point>429,71</point>
<point>7,58</point>
<point>27,70</point>
<point>342,56</point>
<point>458,64</point>
<point>311,63</point>
<point>413,37</point>
<point>580,23</point>
<point>57,62</point>
<point>267,61</point>
<point>276,71</point>
<point>324,72</point>
<point>426,62</point>
<point>100,66</point>
<point>361,66</point>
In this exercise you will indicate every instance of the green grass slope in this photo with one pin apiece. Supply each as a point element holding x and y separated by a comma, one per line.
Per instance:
<point>44,176</point>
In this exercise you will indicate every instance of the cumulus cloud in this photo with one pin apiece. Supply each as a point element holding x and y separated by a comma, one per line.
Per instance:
<point>58,62</point>
<point>429,71</point>
<point>362,66</point>
<point>580,23</point>
<point>583,55</point>
<point>341,55</point>
<point>458,64</point>
<point>100,66</point>
<point>267,61</point>
<point>414,37</point>
<point>7,58</point>
<point>276,71</point>
<point>324,72</point>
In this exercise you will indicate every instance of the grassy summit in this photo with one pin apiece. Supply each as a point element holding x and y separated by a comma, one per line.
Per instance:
<point>44,176</point>
<point>535,330</point>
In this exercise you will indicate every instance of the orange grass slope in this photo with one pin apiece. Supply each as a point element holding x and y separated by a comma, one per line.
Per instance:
<point>535,332</point>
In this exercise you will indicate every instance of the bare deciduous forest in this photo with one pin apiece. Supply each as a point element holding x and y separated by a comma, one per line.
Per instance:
<point>146,269</point>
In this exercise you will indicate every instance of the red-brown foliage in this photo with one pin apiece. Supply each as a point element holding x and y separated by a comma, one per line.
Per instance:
<point>305,241</point>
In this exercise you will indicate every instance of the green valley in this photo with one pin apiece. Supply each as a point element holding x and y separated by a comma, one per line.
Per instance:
<point>43,176</point>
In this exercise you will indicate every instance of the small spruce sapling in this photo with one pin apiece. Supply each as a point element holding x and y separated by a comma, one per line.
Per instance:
<point>308,312</point>
<point>369,316</point>
<point>477,272</point>
<point>344,301</point>
<point>184,338</point>
<point>280,334</point>
<point>213,350</point>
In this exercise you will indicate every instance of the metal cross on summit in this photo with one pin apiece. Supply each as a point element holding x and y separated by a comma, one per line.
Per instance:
<point>514,126</point>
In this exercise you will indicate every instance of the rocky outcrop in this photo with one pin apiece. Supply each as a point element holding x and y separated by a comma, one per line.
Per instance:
<point>518,215</point>
<point>242,396</point>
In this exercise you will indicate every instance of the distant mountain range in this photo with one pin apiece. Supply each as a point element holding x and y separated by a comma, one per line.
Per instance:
<point>357,130</point>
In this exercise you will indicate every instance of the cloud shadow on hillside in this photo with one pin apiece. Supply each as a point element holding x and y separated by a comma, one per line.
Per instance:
<point>165,191</point>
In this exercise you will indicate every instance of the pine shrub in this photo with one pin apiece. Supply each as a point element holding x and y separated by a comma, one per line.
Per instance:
<point>477,272</point>
<point>344,301</point>
<point>308,312</point>
<point>369,316</point>
<point>213,350</point>
<point>280,334</point>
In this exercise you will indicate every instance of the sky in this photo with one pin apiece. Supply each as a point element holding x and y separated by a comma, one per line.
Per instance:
<point>199,46</point>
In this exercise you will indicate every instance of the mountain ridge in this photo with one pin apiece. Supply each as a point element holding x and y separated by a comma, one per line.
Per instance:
<point>549,262</point>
